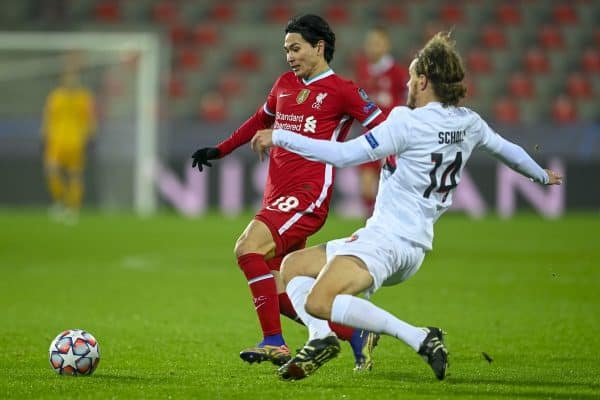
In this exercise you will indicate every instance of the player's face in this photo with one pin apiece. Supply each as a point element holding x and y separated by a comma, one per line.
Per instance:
<point>305,60</point>
<point>69,79</point>
<point>376,46</point>
<point>412,85</point>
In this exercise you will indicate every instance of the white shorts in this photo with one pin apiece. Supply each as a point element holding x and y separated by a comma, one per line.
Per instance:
<point>389,260</point>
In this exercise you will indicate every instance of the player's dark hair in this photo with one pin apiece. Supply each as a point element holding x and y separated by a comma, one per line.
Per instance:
<point>313,28</point>
<point>440,62</point>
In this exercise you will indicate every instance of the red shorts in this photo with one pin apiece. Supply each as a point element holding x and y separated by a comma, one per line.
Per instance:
<point>372,165</point>
<point>290,222</point>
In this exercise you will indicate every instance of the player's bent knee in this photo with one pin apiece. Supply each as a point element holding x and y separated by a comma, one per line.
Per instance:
<point>318,306</point>
<point>239,249</point>
<point>243,247</point>
<point>255,240</point>
<point>290,267</point>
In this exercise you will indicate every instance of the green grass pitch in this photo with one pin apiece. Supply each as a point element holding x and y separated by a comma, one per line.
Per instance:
<point>171,311</point>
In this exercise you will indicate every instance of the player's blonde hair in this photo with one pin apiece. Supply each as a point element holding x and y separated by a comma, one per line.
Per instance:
<point>440,62</point>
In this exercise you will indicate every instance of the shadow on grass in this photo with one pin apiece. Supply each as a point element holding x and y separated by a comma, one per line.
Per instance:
<point>509,387</point>
<point>525,383</point>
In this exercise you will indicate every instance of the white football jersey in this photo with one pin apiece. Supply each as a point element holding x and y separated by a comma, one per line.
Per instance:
<point>430,146</point>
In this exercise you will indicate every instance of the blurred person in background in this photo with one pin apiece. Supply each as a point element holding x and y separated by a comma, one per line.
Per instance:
<point>310,100</point>
<point>68,124</point>
<point>385,80</point>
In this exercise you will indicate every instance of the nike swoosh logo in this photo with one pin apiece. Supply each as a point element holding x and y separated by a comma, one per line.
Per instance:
<point>285,94</point>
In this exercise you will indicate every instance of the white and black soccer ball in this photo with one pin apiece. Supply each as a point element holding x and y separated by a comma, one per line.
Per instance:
<point>74,352</point>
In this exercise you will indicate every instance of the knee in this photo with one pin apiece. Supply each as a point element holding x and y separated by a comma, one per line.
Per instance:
<point>290,267</point>
<point>243,246</point>
<point>255,239</point>
<point>238,250</point>
<point>318,305</point>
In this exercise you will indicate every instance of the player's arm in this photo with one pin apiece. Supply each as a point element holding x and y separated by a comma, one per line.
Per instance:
<point>339,154</point>
<point>261,119</point>
<point>361,107</point>
<point>515,157</point>
<point>383,140</point>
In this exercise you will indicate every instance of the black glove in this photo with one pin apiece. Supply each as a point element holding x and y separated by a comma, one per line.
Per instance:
<point>201,157</point>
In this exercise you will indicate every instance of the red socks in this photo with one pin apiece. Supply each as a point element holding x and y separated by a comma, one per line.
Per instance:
<point>268,303</point>
<point>342,331</point>
<point>286,308</point>
<point>264,291</point>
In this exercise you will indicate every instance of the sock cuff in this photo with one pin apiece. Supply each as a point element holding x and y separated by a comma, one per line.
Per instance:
<point>254,266</point>
<point>248,257</point>
<point>297,282</point>
<point>283,296</point>
<point>340,307</point>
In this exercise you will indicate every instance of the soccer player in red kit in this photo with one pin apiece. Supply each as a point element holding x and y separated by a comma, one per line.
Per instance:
<point>385,81</point>
<point>310,100</point>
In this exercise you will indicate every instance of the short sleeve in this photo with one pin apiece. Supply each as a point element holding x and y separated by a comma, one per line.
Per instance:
<point>359,105</point>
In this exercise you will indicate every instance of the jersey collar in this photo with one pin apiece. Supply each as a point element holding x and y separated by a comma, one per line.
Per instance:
<point>434,104</point>
<point>322,75</point>
<point>386,62</point>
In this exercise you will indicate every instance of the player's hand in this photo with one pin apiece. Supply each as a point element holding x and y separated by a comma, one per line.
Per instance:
<point>554,177</point>
<point>261,142</point>
<point>201,157</point>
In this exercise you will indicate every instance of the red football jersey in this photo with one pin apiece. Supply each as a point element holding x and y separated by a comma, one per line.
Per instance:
<point>385,82</point>
<point>323,107</point>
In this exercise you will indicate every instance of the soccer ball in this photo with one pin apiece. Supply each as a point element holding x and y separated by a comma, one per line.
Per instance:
<point>74,352</point>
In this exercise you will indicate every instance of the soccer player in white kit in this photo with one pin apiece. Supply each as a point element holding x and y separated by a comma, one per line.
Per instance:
<point>430,141</point>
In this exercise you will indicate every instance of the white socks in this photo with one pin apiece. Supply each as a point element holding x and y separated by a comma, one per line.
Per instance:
<point>297,289</point>
<point>351,311</point>
<point>359,313</point>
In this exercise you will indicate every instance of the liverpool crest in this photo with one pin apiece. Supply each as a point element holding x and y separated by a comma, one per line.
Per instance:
<point>302,96</point>
<point>319,101</point>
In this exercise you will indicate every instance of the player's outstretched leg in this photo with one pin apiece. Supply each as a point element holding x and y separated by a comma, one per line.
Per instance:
<point>278,355</point>
<point>363,342</point>
<point>434,352</point>
<point>313,355</point>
